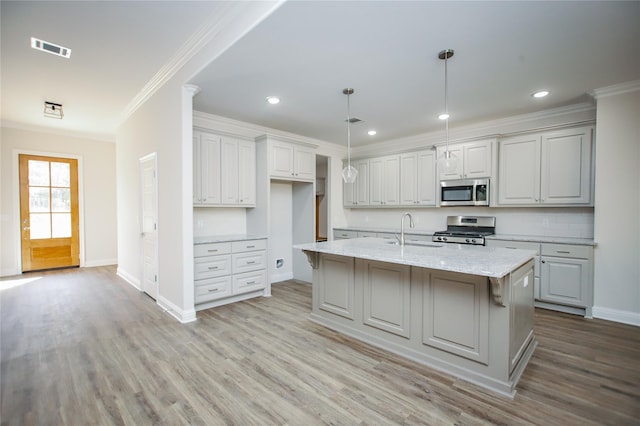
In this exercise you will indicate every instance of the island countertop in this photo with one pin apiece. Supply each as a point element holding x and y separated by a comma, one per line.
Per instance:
<point>494,262</point>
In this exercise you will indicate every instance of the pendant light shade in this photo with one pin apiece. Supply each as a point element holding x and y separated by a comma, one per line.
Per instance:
<point>448,163</point>
<point>349,173</point>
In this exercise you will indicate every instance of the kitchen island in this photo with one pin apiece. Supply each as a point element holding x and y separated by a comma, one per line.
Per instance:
<point>464,310</point>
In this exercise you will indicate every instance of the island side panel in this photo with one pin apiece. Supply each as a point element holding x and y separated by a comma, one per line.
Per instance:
<point>334,285</point>
<point>521,313</point>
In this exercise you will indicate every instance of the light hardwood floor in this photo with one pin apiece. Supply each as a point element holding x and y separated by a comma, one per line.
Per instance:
<point>83,347</point>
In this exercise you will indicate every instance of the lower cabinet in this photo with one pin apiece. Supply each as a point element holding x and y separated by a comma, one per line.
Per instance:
<point>228,271</point>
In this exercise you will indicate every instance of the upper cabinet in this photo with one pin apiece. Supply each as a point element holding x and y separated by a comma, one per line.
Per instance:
<point>384,181</point>
<point>291,161</point>
<point>224,171</point>
<point>418,178</point>
<point>475,160</point>
<point>357,193</point>
<point>206,169</point>
<point>550,168</point>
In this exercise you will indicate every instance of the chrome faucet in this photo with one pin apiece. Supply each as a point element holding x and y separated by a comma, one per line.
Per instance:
<point>402,226</point>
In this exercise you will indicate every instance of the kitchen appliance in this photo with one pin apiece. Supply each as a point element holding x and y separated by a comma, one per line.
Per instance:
<point>464,192</point>
<point>466,230</point>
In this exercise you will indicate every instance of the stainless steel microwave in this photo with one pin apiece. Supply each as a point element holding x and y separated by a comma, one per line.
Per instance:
<point>464,192</point>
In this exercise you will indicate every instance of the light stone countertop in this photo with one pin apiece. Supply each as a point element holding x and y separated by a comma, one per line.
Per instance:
<point>492,262</point>
<point>226,238</point>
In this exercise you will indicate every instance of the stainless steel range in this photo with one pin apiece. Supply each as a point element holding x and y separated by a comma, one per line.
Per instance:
<point>466,230</point>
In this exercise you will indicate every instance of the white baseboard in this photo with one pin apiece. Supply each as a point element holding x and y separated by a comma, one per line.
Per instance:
<point>135,282</point>
<point>8,272</point>
<point>625,317</point>
<point>175,311</point>
<point>100,262</point>
<point>283,276</point>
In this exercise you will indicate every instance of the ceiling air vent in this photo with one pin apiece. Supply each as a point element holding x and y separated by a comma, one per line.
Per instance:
<point>54,49</point>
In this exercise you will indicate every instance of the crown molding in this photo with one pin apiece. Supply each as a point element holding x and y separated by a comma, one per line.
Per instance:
<point>224,16</point>
<point>99,137</point>
<point>616,89</point>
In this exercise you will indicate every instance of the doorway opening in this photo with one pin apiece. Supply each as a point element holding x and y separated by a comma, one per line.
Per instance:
<point>322,198</point>
<point>49,212</point>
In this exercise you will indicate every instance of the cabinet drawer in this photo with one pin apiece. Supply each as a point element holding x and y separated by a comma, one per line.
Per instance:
<point>249,261</point>
<point>524,245</point>
<point>251,281</point>
<point>212,289</point>
<point>249,245</point>
<point>566,250</point>
<point>362,234</point>
<point>340,234</point>
<point>211,249</point>
<point>212,266</point>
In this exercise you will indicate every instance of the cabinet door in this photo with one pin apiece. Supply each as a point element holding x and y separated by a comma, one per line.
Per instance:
<point>304,163</point>
<point>426,183</point>
<point>566,167</point>
<point>209,163</point>
<point>376,180</point>
<point>564,281</point>
<point>229,154</point>
<point>409,179</point>
<point>349,192</point>
<point>477,160</point>
<point>391,180</point>
<point>387,297</point>
<point>281,159</point>
<point>519,170</point>
<point>362,183</point>
<point>247,173</point>
<point>458,152</point>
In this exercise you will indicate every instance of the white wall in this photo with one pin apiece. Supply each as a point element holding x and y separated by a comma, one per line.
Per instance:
<point>281,232</point>
<point>617,208</point>
<point>98,193</point>
<point>560,222</point>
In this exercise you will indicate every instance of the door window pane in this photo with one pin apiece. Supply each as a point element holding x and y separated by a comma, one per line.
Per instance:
<point>61,224</point>
<point>60,175</point>
<point>40,225</point>
<point>60,200</point>
<point>38,173</point>
<point>39,199</point>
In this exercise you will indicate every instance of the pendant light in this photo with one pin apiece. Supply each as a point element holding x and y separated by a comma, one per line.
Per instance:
<point>447,161</point>
<point>349,173</point>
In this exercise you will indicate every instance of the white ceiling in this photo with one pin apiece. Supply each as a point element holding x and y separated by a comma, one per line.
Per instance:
<point>307,52</point>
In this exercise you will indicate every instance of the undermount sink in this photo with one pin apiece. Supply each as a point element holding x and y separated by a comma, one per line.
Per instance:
<point>416,243</point>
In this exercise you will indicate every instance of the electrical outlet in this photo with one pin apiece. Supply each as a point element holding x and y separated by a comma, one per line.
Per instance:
<point>279,263</point>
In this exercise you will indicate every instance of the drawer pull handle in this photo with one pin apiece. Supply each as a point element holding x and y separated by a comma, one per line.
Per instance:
<point>212,251</point>
<point>251,262</point>
<point>251,282</point>
<point>512,248</point>
<point>563,251</point>
<point>213,290</point>
<point>213,268</point>
<point>250,246</point>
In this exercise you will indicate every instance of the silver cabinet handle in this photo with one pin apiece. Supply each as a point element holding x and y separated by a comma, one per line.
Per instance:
<point>213,290</point>
<point>212,268</point>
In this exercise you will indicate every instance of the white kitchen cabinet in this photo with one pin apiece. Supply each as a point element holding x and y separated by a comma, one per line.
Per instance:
<point>566,275</point>
<point>206,169</point>
<point>226,272</point>
<point>418,178</point>
<point>291,161</point>
<point>551,168</point>
<point>475,160</point>
<point>224,171</point>
<point>357,193</point>
<point>384,181</point>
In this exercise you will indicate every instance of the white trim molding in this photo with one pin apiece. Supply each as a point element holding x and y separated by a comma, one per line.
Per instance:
<point>184,316</point>
<point>133,281</point>
<point>625,317</point>
<point>617,89</point>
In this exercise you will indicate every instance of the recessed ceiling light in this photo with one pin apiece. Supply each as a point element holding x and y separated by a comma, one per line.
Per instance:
<point>540,94</point>
<point>443,116</point>
<point>273,100</point>
<point>371,132</point>
<point>54,49</point>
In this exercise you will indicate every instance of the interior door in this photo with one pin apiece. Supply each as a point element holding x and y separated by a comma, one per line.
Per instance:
<point>49,212</point>
<point>149,230</point>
